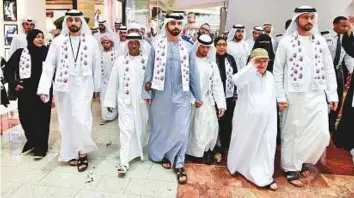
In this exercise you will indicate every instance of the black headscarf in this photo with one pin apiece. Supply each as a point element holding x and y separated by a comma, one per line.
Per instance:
<point>265,42</point>
<point>38,54</point>
<point>220,61</point>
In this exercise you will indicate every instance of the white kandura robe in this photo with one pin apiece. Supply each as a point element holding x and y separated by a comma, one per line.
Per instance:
<point>107,68</point>
<point>254,132</point>
<point>240,52</point>
<point>133,111</point>
<point>121,48</point>
<point>250,42</point>
<point>18,41</point>
<point>204,120</point>
<point>305,131</point>
<point>73,106</point>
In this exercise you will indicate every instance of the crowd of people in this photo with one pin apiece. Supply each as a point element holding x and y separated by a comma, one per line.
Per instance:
<point>186,93</point>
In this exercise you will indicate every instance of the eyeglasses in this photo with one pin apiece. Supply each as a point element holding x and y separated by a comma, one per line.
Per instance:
<point>221,45</point>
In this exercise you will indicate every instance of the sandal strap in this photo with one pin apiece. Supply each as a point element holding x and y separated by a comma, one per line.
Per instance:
<point>292,175</point>
<point>305,168</point>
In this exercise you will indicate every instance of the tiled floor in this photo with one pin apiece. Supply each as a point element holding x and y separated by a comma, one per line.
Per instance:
<point>22,177</point>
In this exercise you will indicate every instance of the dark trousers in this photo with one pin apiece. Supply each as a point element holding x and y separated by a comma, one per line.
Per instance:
<point>225,125</point>
<point>35,119</point>
<point>333,115</point>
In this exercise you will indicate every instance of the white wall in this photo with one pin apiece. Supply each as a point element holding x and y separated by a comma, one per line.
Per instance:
<point>256,12</point>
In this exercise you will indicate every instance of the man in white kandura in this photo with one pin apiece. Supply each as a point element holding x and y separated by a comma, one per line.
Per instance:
<point>135,27</point>
<point>171,79</point>
<point>104,29</point>
<point>257,30</point>
<point>19,40</point>
<point>254,132</point>
<point>204,123</point>
<point>74,57</point>
<point>237,46</point>
<point>108,58</point>
<point>268,30</point>
<point>124,88</point>
<point>121,44</point>
<point>305,79</point>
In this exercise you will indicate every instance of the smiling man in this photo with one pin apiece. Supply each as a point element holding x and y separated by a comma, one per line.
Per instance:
<point>75,58</point>
<point>171,78</point>
<point>256,98</point>
<point>305,80</point>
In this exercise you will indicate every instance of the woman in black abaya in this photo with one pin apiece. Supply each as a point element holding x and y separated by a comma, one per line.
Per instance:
<point>23,72</point>
<point>227,67</point>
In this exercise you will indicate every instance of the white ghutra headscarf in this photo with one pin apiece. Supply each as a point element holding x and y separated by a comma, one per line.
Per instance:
<point>300,11</point>
<point>233,31</point>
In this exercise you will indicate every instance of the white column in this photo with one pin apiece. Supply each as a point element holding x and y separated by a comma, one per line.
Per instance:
<point>2,44</point>
<point>110,12</point>
<point>34,9</point>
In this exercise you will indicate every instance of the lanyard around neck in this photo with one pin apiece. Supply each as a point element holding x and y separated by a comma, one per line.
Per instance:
<point>72,49</point>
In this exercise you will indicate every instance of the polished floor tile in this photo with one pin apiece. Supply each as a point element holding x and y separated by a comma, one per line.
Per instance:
<point>22,176</point>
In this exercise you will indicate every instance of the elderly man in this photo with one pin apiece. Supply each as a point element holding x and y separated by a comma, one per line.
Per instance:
<point>75,58</point>
<point>305,80</point>
<point>170,80</point>
<point>124,90</point>
<point>135,27</point>
<point>253,144</point>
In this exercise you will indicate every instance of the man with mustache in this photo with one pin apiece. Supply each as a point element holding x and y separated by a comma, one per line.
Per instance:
<point>237,46</point>
<point>19,41</point>
<point>104,29</point>
<point>171,78</point>
<point>75,57</point>
<point>305,80</point>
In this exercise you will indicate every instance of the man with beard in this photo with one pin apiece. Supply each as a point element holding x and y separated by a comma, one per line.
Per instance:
<point>20,41</point>
<point>340,57</point>
<point>121,44</point>
<point>305,80</point>
<point>104,29</point>
<point>170,79</point>
<point>204,130</point>
<point>257,30</point>
<point>75,57</point>
<point>237,47</point>
<point>108,58</point>
<point>268,28</point>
